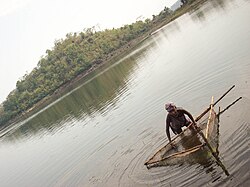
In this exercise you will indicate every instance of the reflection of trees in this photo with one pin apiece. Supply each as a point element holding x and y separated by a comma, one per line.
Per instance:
<point>200,13</point>
<point>74,56</point>
<point>171,28</point>
<point>91,98</point>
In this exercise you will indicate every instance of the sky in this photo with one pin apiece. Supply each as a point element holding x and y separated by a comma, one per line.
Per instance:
<point>29,27</point>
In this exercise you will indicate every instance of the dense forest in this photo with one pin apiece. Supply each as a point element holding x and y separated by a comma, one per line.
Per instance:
<point>70,57</point>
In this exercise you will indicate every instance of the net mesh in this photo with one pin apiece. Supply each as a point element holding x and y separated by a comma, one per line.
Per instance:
<point>189,141</point>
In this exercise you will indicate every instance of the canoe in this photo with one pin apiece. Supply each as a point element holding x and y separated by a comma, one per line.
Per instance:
<point>189,142</point>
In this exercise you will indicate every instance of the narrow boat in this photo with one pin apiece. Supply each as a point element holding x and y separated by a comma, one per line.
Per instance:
<point>190,141</point>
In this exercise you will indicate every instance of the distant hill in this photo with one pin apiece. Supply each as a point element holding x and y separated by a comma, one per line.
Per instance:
<point>176,5</point>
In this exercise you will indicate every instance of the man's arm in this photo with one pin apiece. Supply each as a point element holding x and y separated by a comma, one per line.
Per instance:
<point>189,115</point>
<point>167,128</point>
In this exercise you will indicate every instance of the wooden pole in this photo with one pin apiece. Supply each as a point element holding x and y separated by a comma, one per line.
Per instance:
<point>219,115</point>
<point>209,117</point>
<point>201,115</point>
<point>208,144</point>
<point>203,136</point>
<point>213,153</point>
<point>224,94</point>
<point>220,112</point>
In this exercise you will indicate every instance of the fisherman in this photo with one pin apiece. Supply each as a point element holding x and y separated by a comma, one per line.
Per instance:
<point>176,119</point>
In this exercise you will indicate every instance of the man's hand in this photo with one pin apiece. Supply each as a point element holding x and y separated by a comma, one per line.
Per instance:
<point>196,127</point>
<point>173,146</point>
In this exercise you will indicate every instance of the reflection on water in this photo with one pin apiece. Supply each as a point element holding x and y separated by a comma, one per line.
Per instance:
<point>102,133</point>
<point>93,98</point>
<point>201,13</point>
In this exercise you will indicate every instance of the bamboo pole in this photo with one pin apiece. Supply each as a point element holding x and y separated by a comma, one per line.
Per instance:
<point>213,153</point>
<point>210,116</point>
<point>191,150</point>
<point>202,114</point>
<point>208,144</point>
<point>220,112</point>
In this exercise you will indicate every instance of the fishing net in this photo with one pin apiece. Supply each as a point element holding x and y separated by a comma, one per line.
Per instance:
<point>188,142</point>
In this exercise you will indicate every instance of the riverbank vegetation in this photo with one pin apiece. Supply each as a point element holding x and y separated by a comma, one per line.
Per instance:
<point>76,55</point>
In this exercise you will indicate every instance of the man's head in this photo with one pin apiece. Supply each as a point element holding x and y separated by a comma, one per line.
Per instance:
<point>170,107</point>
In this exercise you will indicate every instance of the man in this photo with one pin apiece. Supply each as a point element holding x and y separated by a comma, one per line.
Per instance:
<point>176,119</point>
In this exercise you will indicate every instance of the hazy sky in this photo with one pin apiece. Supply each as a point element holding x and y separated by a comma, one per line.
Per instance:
<point>29,27</point>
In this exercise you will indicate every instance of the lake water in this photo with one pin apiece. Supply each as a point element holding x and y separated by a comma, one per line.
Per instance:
<point>101,133</point>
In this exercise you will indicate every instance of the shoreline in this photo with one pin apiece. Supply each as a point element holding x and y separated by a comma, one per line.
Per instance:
<point>64,88</point>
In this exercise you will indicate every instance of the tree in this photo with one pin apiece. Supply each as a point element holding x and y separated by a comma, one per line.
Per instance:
<point>69,57</point>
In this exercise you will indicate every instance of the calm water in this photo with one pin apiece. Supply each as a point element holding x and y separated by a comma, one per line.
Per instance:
<point>102,132</point>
